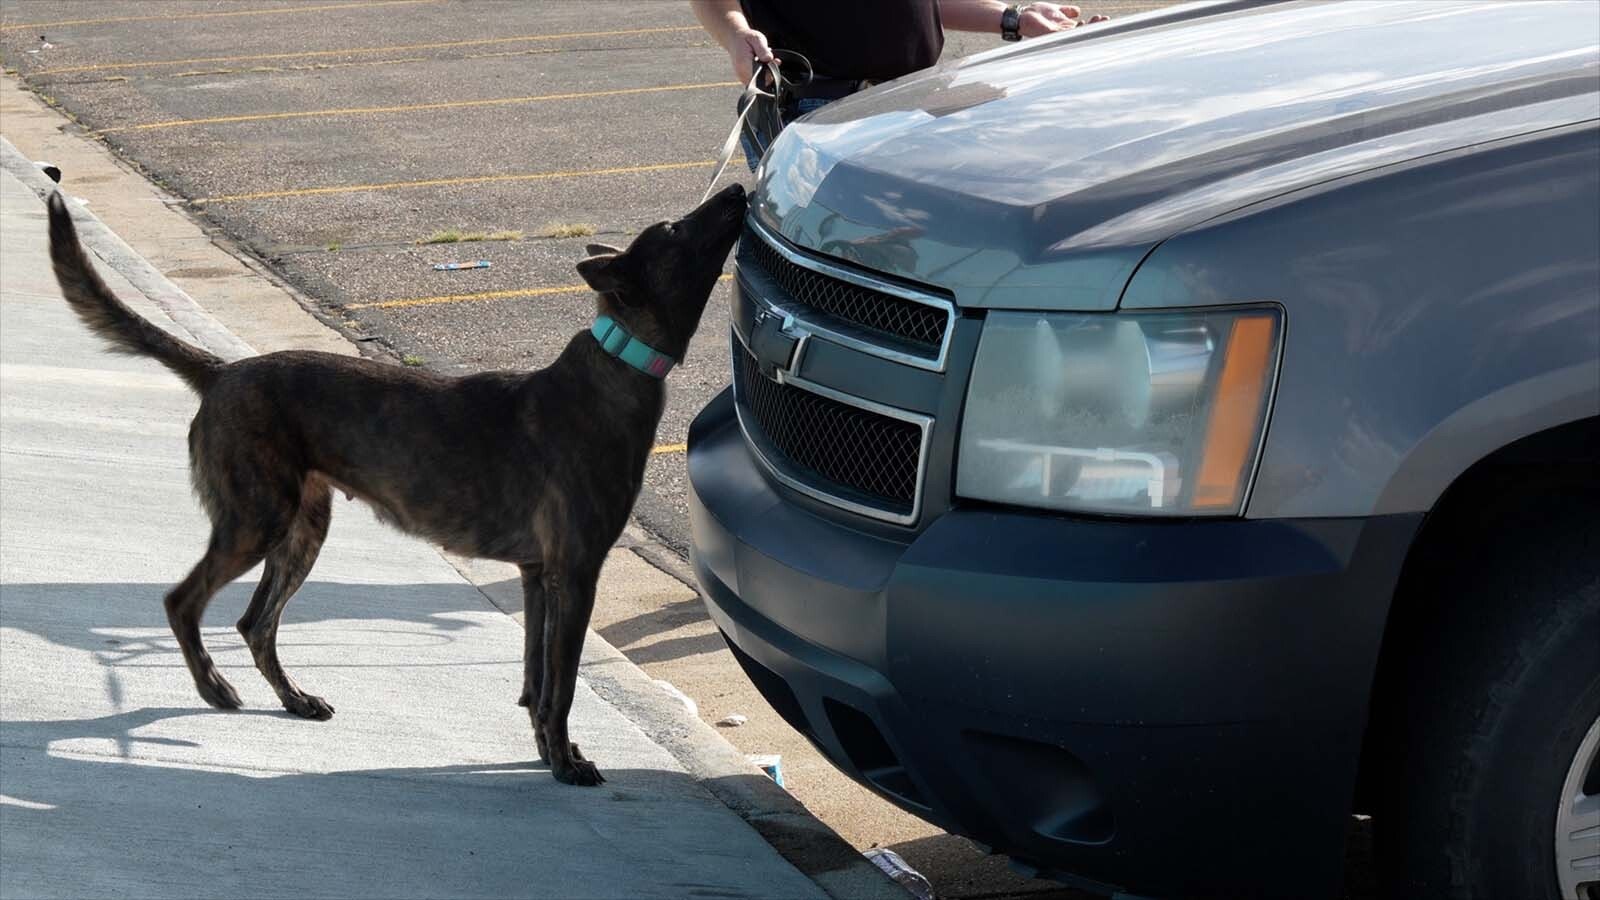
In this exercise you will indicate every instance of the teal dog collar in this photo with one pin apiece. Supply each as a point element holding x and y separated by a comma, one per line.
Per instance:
<point>619,342</point>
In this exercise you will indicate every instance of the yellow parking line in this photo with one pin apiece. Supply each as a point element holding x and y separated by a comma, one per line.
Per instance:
<point>441,45</point>
<point>468,298</point>
<point>486,295</point>
<point>668,448</point>
<point>417,107</point>
<point>282,10</point>
<point>198,73</point>
<point>447,182</point>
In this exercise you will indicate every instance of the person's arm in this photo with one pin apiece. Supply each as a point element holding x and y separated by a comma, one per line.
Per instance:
<point>725,22</point>
<point>984,16</point>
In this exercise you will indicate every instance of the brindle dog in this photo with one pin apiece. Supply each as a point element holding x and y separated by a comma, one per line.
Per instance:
<point>540,469</point>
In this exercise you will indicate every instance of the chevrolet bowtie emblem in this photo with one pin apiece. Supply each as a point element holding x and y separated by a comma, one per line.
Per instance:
<point>771,344</point>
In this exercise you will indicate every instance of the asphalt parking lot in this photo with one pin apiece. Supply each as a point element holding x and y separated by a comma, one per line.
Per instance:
<point>330,137</point>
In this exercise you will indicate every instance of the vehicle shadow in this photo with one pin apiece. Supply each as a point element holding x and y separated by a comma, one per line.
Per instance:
<point>958,866</point>
<point>632,635</point>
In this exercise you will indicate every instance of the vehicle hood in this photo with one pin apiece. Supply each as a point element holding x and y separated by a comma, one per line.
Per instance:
<point>1038,176</point>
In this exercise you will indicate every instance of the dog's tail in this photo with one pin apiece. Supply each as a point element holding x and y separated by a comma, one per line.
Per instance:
<point>108,317</point>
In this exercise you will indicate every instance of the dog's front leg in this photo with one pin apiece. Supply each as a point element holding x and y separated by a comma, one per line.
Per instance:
<point>533,657</point>
<point>570,597</point>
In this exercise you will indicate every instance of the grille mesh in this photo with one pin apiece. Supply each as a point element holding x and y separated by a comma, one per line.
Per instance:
<point>833,445</point>
<point>913,323</point>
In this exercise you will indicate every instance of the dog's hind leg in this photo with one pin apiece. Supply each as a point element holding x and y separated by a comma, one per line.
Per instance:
<point>570,604</point>
<point>287,567</point>
<point>226,558</point>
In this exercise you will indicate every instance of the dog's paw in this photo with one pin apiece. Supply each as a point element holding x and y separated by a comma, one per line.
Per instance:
<point>579,772</point>
<point>542,744</point>
<point>215,690</point>
<point>526,699</point>
<point>307,706</point>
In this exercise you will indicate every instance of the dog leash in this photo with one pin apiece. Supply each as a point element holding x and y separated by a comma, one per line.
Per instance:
<point>753,95</point>
<point>747,102</point>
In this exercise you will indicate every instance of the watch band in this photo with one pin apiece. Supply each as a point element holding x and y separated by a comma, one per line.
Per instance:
<point>1011,23</point>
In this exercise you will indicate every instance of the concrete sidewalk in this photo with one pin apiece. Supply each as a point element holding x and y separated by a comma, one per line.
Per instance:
<point>115,780</point>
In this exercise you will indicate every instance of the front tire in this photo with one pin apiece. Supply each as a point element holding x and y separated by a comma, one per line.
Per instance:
<point>1501,696</point>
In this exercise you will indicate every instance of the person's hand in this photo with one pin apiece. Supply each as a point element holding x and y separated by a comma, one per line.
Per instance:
<point>1049,18</point>
<point>748,48</point>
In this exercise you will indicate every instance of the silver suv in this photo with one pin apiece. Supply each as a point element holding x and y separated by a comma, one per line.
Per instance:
<point>1150,447</point>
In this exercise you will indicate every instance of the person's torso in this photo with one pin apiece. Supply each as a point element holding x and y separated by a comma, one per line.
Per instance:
<point>853,39</point>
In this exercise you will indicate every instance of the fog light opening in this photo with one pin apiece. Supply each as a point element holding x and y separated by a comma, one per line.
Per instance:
<point>869,753</point>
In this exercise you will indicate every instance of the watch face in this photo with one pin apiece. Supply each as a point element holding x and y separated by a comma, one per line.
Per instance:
<point>1010,20</point>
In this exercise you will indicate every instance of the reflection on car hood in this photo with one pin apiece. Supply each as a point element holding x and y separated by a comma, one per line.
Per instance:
<point>1039,175</point>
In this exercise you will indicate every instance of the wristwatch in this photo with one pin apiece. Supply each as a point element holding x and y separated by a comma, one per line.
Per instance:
<point>1011,23</point>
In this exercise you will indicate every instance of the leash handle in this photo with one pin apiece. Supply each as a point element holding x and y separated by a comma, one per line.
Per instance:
<point>747,102</point>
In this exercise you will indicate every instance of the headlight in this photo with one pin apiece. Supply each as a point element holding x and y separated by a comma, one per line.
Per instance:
<point>1155,414</point>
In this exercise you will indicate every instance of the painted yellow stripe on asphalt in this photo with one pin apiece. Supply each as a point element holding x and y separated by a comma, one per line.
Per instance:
<point>669,448</point>
<point>340,65</point>
<point>278,11</point>
<point>485,295</point>
<point>447,182</point>
<point>469,298</point>
<point>348,51</point>
<point>417,107</point>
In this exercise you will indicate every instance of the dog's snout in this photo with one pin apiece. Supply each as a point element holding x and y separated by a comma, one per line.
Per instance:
<point>736,199</point>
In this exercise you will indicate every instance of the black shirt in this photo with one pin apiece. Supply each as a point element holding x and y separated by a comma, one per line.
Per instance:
<point>853,39</point>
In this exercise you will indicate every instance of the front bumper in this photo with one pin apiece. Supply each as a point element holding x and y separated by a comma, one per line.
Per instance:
<point>1159,707</point>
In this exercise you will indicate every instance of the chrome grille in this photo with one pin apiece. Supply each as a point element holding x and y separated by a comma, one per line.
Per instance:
<point>829,301</point>
<point>834,447</point>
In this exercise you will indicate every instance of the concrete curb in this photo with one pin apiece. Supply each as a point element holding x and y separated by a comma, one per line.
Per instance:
<point>798,836</point>
<point>115,252</point>
<point>666,560</point>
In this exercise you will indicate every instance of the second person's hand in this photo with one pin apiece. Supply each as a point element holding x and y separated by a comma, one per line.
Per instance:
<point>1048,18</point>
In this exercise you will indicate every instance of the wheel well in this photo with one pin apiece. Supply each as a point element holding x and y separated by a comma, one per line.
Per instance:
<point>1515,494</point>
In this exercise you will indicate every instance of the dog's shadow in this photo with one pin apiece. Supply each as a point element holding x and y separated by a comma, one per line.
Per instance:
<point>89,825</point>
<point>123,623</point>
<point>117,728</point>
<point>166,797</point>
<point>92,647</point>
<point>121,729</point>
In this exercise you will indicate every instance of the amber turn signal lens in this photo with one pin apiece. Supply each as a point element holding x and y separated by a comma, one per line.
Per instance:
<point>1236,413</point>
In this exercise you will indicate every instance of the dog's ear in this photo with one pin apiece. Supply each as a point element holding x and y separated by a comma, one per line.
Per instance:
<point>608,273</point>
<point>601,249</point>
